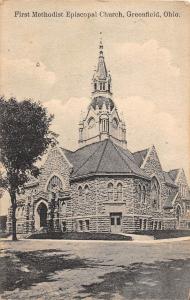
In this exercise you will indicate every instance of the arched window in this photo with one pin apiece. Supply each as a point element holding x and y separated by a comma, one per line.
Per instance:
<point>91,123</point>
<point>104,86</point>
<point>95,86</point>
<point>86,189</point>
<point>155,193</point>
<point>114,123</point>
<point>80,191</point>
<point>119,191</point>
<point>143,195</point>
<point>178,214</point>
<point>109,87</point>
<point>139,191</point>
<point>110,191</point>
<point>55,183</point>
<point>18,211</point>
<point>63,206</point>
<point>86,192</point>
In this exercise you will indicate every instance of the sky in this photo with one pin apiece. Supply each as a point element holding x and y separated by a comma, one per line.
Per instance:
<point>52,60</point>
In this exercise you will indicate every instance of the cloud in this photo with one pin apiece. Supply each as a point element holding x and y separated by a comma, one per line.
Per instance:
<point>67,117</point>
<point>148,54</point>
<point>25,78</point>
<point>146,125</point>
<point>146,69</point>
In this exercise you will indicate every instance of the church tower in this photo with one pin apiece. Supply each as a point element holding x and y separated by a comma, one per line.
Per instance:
<point>102,120</point>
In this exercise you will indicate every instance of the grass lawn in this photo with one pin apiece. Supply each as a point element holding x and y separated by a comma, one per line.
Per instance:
<point>80,236</point>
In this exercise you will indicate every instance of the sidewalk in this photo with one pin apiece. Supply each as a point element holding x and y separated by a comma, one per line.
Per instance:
<point>139,237</point>
<point>150,239</point>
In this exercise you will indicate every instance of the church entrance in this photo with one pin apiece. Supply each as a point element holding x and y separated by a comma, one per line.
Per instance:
<point>115,219</point>
<point>41,215</point>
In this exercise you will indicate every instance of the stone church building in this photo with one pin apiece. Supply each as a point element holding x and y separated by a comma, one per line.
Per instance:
<point>102,186</point>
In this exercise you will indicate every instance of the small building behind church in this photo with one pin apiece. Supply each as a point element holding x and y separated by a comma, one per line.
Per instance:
<point>103,186</point>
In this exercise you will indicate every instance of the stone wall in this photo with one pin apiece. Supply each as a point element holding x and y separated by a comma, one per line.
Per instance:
<point>181,181</point>
<point>56,164</point>
<point>36,190</point>
<point>152,167</point>
<point>182,201</point>
<point>98,207</point>
<point>91,209</point>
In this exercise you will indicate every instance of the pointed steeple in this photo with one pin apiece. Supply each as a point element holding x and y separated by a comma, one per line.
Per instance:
<point>101,69</point>
<point>102,120</point>
<point>101,80</point>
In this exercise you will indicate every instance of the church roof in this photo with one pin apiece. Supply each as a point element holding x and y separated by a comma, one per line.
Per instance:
<point>103,157</point>
<point>168,178</point>
<point>168,203</point>
<point>100,100</point>
<point>140,156</point>
<point>173,173</point>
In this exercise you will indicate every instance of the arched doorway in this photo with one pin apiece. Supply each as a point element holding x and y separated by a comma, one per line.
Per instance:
<point>178,215</point>
<point>41,215</point>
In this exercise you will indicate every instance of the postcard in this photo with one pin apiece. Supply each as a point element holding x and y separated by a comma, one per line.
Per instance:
<point>94,143</point>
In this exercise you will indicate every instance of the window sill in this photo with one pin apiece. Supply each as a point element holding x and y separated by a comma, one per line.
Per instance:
<point>114,202</point>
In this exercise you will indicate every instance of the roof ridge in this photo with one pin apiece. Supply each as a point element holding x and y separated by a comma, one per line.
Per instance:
<point>87,159</point>
<point>140,150</point>
<point>177,169</point>
<point>86,146</point>
<point>167,172</point>
<point>64,149</point>
<point>120,154</point>
<point>143,157</point>
<point>127,155</point>
<point>102,155</point>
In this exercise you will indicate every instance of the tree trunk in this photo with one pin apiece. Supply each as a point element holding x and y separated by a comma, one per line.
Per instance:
<point>13,202</point>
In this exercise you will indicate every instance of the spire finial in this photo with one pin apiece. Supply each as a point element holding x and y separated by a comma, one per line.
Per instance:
<point>101,45</point>
<point>100,36</point>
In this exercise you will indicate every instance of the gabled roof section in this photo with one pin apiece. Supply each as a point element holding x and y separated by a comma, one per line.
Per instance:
<point>103,157</point>
<point>79,157</point>
<point>173,173</point>
<point>168,178</point>
<point>140,156</point>
<point>168,203</point>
